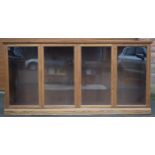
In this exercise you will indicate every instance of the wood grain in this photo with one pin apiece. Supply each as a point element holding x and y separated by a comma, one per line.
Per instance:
<point>148,76</point>
<point>79,111</point>
<point>77,76</point>
<point>2,68</point>
<point>41,76</point>
<point>73,41</point>
<point>114,76</point>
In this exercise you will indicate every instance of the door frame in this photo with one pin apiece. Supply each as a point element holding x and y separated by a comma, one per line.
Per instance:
<point>7,104</point>
<point>112,81</point>
<point>148,75</point>
<point>76,54</point>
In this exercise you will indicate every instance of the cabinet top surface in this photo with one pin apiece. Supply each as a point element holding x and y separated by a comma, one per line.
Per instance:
<point>76,40</point>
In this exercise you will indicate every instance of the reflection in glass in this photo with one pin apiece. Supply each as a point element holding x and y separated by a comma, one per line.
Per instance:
<point>96,75</point>
<point>23,73</point>
<point>59,88</point>
<point>131,75</point>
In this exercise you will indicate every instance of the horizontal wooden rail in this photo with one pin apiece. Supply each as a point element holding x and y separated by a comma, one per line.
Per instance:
<point>78,111</point>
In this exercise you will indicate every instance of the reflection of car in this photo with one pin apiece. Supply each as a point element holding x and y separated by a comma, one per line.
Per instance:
<point>31,64</point>
<point>133,59</point>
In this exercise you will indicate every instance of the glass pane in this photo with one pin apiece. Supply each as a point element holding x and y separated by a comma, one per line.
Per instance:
<point>59,88</point>
<point>131,75</point>
<point>96,75</point>
<point>23,73</point>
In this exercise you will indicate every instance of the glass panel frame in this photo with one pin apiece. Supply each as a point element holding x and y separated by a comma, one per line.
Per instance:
<point>48,106</point>
<point>77,68</point>
<point>33,105</point>
<point>147,75</point>
<point>111,72</point>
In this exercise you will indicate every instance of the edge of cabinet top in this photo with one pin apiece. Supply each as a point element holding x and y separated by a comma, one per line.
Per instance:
<point>74,41</point>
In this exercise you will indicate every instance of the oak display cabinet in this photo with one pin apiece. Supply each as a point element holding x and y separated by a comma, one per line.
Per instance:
<point>75,76</point>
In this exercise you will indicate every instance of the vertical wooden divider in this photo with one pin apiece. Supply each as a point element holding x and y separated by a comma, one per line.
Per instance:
<point>6,66</point>
<point>114,76</point>
<point>148,76</point>
<point>41,76</point>
<point>77,76</point>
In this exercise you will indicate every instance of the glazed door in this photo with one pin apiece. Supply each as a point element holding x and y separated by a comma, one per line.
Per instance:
<point>23,75</point>
<point>58,76</point>
<point>96,75</point>
<point>131,75</point>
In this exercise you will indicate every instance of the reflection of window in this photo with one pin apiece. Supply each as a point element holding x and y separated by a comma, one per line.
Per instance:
<point>95,53</point>
<point>130,51</point>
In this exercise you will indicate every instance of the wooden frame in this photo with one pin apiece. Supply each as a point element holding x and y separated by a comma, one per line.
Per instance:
<point>77,76</point>
<point>7,104</point>
<point>148,72</point>
<point>112,75</point>
<point>148,76</point>
<point>75,104</point>
<point>77,108</point>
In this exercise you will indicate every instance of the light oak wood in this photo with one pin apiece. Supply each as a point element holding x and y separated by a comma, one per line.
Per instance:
<point>40,76</point>
<point>57,45</point>
<point>7,96</point>
<point>73,41</point>
<point>2,68</point>
<point>22,45</point>
<point>132,44</point>
<point>79,111</point>
<point>96,45</point>
<point>3,73</point>
<point>148,76</point>
<point>77,76</point>
<point>114,76</point>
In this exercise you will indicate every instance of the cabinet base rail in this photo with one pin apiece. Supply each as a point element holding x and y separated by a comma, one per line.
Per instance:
<point>78,111</point>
